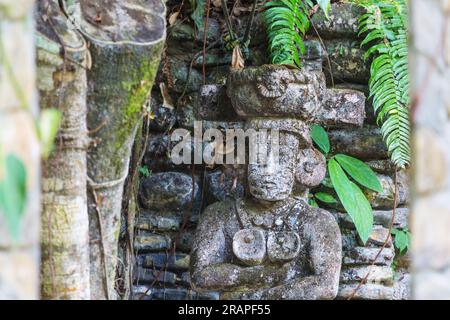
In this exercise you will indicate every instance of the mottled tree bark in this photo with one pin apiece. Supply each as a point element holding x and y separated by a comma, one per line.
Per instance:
<point>126,39</point>
<point>19,259</point>
<point>62,60</point>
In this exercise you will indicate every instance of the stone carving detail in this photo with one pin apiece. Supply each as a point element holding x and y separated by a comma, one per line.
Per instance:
<point>273,245</point>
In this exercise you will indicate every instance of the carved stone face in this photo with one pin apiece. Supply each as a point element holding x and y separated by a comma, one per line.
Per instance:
<point>274,181</point>
<point>305,167</point>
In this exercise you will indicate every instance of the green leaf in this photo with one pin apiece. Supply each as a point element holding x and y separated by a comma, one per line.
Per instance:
<point>13,192</point>
<point>198,13</point>
<point>145,171</point>
<point>320,138</point>
<point>360,171</point>
<point>327,182</point>
<point>325,6</point>
<point>325,197</point>
<point>402,239</point>
<point>48,128</point>
<point>313,203</point>
<point>353,200</point>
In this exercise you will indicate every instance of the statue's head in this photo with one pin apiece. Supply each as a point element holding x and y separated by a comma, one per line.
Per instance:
<point>295,162</point>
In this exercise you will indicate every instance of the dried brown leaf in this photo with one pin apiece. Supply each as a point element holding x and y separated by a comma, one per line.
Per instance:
<point>167,100</point>
<point>173,18</point>
<point>237,60</point>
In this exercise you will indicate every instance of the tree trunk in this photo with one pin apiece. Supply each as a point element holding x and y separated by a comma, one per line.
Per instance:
<point>126,38</point>
<point>19,257</point>
<point>62,57</point>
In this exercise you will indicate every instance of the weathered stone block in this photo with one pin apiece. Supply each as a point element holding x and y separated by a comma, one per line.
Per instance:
<point>149,220</point>
<point>214,104</point>
<point>370,115</point>
<point>365,256</point>
<point>146,241</point>
<point>219,186</point>
<point>402,287</point>
<point>171,262</point>
<point>148,276</point>
<point>365,143</point>
<point>143,292</point>
<point>313,58</point>
<point>342,22</point>
<point>184,240</point>
<point>384,166</point>
<point>384,218</point>
<point>377,274</point>
<point>347,62</point>
<point>343,108</point>
<point>385,200</point>
<point>366,292</point>
<point>164,118</point>
<point>168,191</point>
<point>349,239</point>
<point>378,237</point>
<point>184,32</point>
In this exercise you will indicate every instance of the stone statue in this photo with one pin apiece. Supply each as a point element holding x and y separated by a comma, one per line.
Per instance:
<point>272,244</point>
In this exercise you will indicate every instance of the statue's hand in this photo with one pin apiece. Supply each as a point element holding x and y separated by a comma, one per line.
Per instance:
<point>263,276</point>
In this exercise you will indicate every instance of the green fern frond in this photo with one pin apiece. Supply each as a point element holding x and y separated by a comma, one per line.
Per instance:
<point>287,22</point>
<point>385,29</point>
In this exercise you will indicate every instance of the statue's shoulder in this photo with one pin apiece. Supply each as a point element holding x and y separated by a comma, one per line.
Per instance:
<point>219,211</point>
<point>318,218</point>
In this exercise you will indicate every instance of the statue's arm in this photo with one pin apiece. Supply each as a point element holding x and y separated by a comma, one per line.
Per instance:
<point>325,259</point>
<point>209,266</point>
